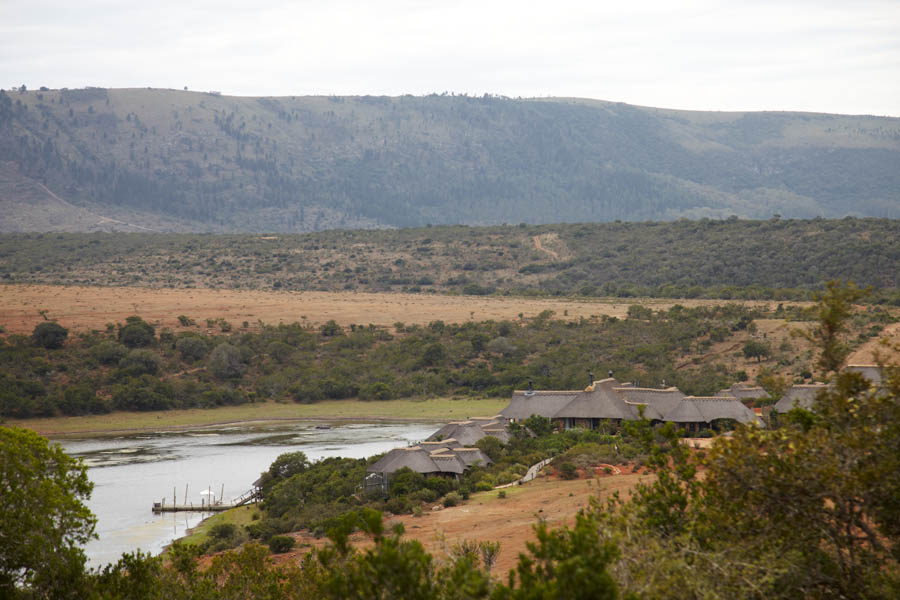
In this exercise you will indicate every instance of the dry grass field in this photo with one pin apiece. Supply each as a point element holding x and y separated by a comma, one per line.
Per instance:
<point>84,308</point>
<point>486,517</point>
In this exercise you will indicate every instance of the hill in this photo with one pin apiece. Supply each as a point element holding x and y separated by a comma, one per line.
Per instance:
<point>168,160</point>
<point>771,259</point>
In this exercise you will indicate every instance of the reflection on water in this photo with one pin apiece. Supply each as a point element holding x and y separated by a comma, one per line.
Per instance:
<point>131,472</point>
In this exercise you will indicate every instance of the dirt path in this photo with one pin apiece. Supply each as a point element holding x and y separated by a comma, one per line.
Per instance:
<point>538,245</point>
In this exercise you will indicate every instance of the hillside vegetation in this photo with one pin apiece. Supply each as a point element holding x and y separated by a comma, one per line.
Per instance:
<point>170,160</point>
<point>134,366</point>
<point>772,259</point>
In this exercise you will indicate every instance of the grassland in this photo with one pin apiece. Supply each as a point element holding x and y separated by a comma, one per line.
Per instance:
<point>438,409</point>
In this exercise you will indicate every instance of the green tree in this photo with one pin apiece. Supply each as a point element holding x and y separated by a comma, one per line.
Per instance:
<point>43,519</point>
<point>191,347</point>
<point>564,563</point>
<point>137,333</point>
<point>833,308</point>
<point>226,362</point>
<point>756,349</point>
<point>139,362</point>
<point>49,335</point>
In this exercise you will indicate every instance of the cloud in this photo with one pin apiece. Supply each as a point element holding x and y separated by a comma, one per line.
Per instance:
<point>702,54</point>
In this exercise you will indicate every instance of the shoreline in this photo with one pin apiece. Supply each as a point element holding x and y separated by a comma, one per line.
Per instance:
<point>336,411</point>
<point>260,421</point>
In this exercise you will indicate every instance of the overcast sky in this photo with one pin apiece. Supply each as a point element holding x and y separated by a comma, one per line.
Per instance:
<point>826,56</point>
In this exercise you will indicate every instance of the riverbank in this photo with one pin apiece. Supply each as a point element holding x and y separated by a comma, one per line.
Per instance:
<point>438,409</point>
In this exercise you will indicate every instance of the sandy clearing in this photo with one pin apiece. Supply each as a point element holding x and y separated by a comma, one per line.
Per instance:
<point>84,308</point>
<point>890,352</point>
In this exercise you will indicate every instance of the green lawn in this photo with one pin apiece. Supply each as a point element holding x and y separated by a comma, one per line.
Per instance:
<point>437,409</point>
<point>240,517</point>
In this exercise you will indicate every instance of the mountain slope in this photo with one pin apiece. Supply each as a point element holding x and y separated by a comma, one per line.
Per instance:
<point>188,161</point>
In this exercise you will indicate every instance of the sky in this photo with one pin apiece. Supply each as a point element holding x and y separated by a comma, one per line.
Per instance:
<point>835,56</point>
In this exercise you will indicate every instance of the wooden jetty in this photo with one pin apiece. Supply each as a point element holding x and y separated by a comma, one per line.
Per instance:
<point>161,507</point>
<point>248,497</point>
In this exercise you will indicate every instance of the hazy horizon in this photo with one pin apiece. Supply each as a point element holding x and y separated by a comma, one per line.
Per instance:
<point>829,56</point>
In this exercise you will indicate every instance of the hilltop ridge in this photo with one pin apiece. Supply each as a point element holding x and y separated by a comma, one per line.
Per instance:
<point>97,159</point>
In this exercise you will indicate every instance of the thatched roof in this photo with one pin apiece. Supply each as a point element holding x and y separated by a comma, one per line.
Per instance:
<point>871,372</point>
<point>449,463</point>
<point>429,459</point>
<point>744,392</point>
<point>685,411</point>
<point>599,401</point>
<point>471,456</point>
<point>722,407</point>
<point>544,404</point>
<point>415,457</point>
<point>443,443</point>
<point>657,403</point>
<point>799,395</point>
<point>469,432</point>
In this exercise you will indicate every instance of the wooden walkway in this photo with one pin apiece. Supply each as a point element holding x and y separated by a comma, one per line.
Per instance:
<point>159,507</point>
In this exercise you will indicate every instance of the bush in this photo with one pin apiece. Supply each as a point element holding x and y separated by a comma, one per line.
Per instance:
<point>109,352</point>
<point>223,531</point>
<point>141,362</point>
<point>137,333</point>
<point>50,335</point>
<point>191,347</point>
<point>280,543</point>
<point>225,362</point>
<point>568,471</point>
<point>452,499</point>
<point>398,506</point>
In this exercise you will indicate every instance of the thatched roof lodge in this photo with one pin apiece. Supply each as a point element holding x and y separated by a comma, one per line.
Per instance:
<point>444,459</point>
<point>609,402</point>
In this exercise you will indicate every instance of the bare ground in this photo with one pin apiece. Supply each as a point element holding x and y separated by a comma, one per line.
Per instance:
<point>485,517</point>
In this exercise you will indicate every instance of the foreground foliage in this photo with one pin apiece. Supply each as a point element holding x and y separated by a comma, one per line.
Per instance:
<point>43,519</point>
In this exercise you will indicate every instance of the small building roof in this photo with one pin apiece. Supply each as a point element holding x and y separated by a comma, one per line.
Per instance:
<point>744,392</point>
<point>871,372</point>
<point>799,395</point>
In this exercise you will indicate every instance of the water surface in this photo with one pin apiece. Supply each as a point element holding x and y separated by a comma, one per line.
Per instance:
<point>130,472</point>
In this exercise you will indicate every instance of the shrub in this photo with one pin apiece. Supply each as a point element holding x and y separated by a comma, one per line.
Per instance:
<point>568,471</point>
<point>137,333</point>
<point>501,494</point>
<point>109,352</point>
<point>280,543</point>
<point>223,531</point>
<point>225,362</point>
<point>191,347</point>
<point>452,499</point>
<point>399,505</point>
<point>50,335</point>
<point>141,362</point>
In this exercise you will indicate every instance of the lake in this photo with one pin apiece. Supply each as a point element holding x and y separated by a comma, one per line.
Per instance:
<point>132,471</point>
